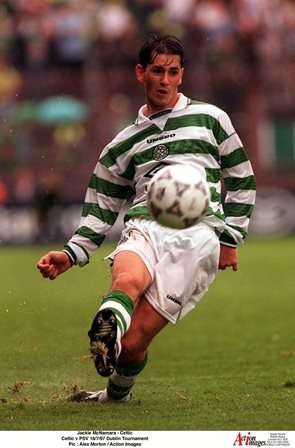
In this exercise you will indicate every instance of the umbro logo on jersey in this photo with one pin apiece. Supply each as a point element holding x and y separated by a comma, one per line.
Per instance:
<point>161,137</point>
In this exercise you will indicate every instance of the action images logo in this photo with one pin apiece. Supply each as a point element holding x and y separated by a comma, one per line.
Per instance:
<point>248,440</point>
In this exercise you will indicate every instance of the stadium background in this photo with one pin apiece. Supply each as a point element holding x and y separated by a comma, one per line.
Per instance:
<point>67,85</point>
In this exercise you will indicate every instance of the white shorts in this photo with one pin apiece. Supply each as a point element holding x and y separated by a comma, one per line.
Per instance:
<point>182,263</point>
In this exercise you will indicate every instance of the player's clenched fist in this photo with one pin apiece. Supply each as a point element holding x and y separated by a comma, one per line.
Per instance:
<point>53,264</point>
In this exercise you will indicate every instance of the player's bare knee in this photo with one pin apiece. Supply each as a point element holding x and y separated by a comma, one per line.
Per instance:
<point>128,283</point>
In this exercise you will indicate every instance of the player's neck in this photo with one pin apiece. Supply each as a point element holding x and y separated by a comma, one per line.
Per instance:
<point>151,109</point>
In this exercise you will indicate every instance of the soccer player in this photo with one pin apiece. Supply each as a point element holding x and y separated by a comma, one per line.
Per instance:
<point>158,274</point>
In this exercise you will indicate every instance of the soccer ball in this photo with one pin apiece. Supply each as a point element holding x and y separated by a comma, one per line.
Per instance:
<point>178,196</point>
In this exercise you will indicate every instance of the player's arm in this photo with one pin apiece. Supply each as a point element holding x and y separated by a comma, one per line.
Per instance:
<point>240,189</point>
<point>104,198</point>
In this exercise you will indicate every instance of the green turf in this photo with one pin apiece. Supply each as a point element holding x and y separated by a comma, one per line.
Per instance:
<point>228,365</point>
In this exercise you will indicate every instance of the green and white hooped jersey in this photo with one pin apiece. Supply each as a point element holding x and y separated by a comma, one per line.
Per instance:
<point>192,132</point>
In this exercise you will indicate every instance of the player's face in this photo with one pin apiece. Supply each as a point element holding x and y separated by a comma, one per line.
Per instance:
<point>160,80</point>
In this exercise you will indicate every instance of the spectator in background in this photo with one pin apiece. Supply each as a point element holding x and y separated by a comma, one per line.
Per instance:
<point>3,193</point>
<point>226,74</point>
<point>142,11</point>
<point>10,84</point>
<point>268,29</point>
<point>46,199</point>
<point>71,23</point>
<point>117,33</point>
<point>23,185</point>
<point>236,49</point>
<point>179,11</point>
<point>30,33</point>
<point>214,18</point>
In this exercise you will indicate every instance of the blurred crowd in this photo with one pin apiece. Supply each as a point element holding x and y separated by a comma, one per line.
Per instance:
<point>40,33</point>
<point>86,49</point>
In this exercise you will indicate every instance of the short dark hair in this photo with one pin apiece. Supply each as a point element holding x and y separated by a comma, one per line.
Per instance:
<point>156,44</point>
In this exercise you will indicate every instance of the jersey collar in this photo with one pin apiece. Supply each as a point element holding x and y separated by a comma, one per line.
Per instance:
<point>160,118</point>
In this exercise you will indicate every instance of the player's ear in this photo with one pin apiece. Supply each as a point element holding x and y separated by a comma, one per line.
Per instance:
<point>139,72</point>
<point>181,76</point>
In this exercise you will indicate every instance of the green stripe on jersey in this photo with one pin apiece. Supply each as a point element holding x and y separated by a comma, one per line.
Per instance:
<point>186,146</point>
<point>96,238</point>
<point>136,212</point>
<point>225,237</point>
<point>236,209</point>
<point>109,188</point>
<point>234,158</point>
<point>104,215</point>
<point>190,146</point>
<point>213,175</point>
<point>203,120</point>
<point>240,183</point>
<point>216,213</point>
<point>113,153</point>
<point>215,195</point>
<point>143,211</point>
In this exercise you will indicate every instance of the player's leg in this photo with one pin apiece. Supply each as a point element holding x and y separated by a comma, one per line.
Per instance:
<point>183,267</point>
<point>186,267</point>
<point>130,278</point>
<point>146,323</point>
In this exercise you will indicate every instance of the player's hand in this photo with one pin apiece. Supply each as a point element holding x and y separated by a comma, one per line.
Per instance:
<point>228,258</point>
<point>53,264</point>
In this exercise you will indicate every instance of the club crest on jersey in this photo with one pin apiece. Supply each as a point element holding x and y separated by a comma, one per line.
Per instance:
<point>160,152</point>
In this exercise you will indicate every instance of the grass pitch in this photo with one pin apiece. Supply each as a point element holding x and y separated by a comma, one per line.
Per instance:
<point>229,365</point>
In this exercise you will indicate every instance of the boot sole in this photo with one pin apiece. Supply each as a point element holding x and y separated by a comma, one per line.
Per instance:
<point>103,335</point>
